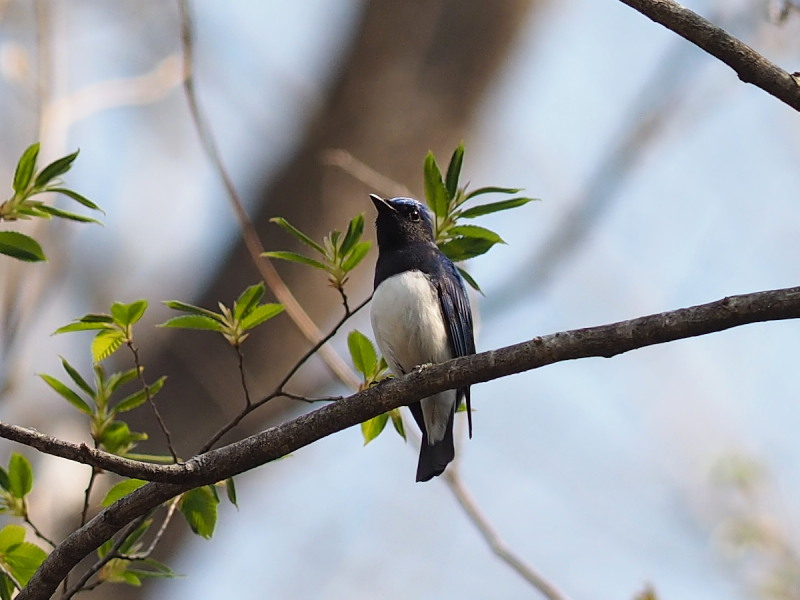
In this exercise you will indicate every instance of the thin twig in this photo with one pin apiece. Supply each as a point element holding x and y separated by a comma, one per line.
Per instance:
<point>279,391</point>
<point>173,505</point>
<point>151,401</point>
<point>80,585</point>
<point>254,247</point>
<point>37,531</point>
<point>87,493</point>
<point>246,389</point>
<point>492,538</point>
<point>308,399</point>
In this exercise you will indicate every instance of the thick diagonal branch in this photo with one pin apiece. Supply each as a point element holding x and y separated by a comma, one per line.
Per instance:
<point>750,66</point>
<point>601,341</point>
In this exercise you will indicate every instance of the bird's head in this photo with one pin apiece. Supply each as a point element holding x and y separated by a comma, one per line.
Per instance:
<point>402,221</point>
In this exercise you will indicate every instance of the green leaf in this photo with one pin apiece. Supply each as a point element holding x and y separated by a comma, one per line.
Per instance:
<point>260,314</point>
<point>20,246</point>
<point>492,190</point>
<point>463,248</point>
<point>199,507</point>
<point>192,309</point>
<point>120,378</point>
<point>193,322</point>
<point>372,428</point>
<point>475,231</point>
<point>128,314</point>
<point>298,258</point>
<point>4,482</point>
<point>230,491</point>
<point>31,209</point>
<point>63,214</point>
<point>105,547</point>
<point>96,318</point>
<point>25,168</point>
<point>332,242</point>
<point>20,475</point>
<point>68,394</point>
<point>138,398</point>
<point>354,231</point>
<point>54,169</point>
<point>76,377</point>
<point>397,421</point>
<point>131,543</point>
<point>359,251</point>
<point>454,171</point>
<point>435,191</point>
<point>469,279</point>
<point>106,343</point>
<point>83,326</point>
<point>120,489</point>
<point>485,209</point>
<point>248,299</point>
<point>297,233</point>
<point>156,569</point>
<point>10,536</point>
<point>7,587</point>
<point>117,438</point>
<point>362,352</point>
<point>77,197</point>
<point>23,560</point>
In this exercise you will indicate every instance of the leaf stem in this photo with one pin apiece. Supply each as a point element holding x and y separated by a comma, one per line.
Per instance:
<point>150,401</point>
<point>279,391</point>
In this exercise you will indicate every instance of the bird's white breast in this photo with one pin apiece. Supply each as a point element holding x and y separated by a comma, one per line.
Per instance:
<point>407,322</point>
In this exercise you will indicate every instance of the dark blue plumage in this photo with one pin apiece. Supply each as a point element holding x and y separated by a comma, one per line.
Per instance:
<point>420,315</point>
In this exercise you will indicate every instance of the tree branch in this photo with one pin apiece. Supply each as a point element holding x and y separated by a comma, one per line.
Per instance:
<point>216,465</point>
<point>750,66</point>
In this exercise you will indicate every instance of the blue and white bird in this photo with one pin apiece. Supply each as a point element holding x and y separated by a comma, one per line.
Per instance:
<point>420,315</point>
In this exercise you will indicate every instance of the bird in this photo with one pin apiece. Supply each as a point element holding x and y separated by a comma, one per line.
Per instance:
<point>420,314</point>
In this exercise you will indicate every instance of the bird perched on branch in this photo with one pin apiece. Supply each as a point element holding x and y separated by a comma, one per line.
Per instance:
<point>420,315</point>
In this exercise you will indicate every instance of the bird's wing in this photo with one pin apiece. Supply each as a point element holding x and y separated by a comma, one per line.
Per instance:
<point>458,319</point>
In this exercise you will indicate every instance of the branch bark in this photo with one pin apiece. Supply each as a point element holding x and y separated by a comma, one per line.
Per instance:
<point>216,465</point>
<point>750,66</point>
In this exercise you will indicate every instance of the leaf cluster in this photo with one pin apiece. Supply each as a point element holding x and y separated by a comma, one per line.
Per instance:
<point>18,558</point>
<point>125,567</point>
<point>97,401</point>
<point>28,183</point>
<point>446,199</point>
<point>16,482</point>
<point>233,323</point>
<point>100,399</point>
<point>338,253</point>
<point>373,370</point>
<point>113,330</point>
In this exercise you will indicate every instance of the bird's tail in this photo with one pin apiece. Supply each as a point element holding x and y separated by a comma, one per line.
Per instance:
<point>433,458</point>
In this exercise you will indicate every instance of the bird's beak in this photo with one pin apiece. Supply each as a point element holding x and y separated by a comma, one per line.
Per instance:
<point>381,204</point>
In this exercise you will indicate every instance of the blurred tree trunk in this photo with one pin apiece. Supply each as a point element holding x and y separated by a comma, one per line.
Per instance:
<point>415,74</point>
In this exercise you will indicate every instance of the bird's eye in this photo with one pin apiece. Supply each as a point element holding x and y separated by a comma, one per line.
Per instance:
<point>414,214</point>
